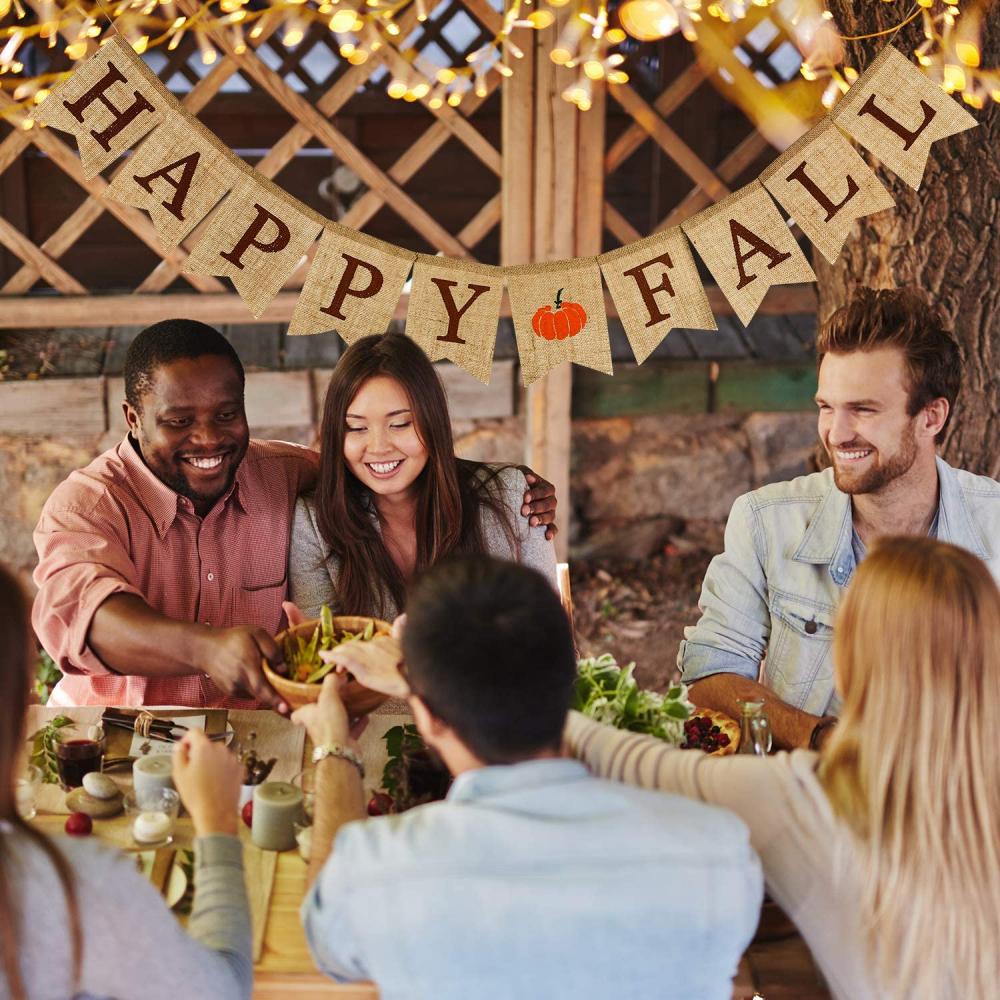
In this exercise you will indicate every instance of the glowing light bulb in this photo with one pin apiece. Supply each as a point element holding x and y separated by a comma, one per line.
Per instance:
<point>648,20</point>
<point>343,21</point>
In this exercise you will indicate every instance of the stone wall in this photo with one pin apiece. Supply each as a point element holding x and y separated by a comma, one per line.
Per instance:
<point>636,481</point>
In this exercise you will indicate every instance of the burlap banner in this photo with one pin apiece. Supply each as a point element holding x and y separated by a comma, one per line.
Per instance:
<point>109,103</point>
<point>656,288</point>
<point>897,113</point>
<point>353,285</point>
<point>748,247</point>
<point>178,174</point>
<point>825,185</point>
<point>256,237</point>
<point>453,312</point>
<point>558,312</point>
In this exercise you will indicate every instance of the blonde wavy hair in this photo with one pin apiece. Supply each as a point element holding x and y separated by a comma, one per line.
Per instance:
<point>913,769</point>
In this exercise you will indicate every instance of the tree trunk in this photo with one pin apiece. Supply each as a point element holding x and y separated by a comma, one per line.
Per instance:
<point>943,239</point>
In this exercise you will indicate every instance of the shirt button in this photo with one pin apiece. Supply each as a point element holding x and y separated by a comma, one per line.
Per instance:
<point>811,627</point>
<point>209,624</point>
<point>211,577</point>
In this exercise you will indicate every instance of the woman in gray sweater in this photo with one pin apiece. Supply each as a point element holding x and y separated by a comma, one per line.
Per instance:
<point>392,498</point>
<point>77,919</point>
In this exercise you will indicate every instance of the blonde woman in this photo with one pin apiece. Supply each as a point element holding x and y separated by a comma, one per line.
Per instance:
<point>885,848</point>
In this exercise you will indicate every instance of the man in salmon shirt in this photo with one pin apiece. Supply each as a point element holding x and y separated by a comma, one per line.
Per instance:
<point>163,564</point>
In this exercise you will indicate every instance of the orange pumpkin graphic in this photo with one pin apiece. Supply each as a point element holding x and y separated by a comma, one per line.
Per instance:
<point>568,319</point>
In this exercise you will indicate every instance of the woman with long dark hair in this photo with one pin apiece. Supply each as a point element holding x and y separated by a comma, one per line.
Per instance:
<point>392,498</point>
<point>77,919</point>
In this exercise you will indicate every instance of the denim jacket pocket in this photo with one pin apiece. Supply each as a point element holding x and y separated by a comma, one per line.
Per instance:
<point>799,664</point>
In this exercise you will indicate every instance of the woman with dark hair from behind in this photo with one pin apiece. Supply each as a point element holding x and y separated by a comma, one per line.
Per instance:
<point>77,919</point>
<point>392,498</point>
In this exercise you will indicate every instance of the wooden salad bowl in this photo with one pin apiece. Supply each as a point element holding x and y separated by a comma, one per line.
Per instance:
<point>358,700</point>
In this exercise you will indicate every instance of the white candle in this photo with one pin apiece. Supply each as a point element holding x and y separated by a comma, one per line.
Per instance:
<point>150,774</point>
<point>276,807</point>
<point>151,827</point>
<point>25,795</point>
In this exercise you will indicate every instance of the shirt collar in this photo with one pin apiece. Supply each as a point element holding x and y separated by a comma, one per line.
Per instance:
<point>955,522</point>
<point>498,779</point>
<point>160,501</point>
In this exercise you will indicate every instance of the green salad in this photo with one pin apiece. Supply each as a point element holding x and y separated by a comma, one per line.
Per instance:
<point>302,659</point>
<point>608,693</point>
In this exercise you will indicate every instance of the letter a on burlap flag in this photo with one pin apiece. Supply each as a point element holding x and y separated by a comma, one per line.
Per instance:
<point>897,113</point>
<point>109,103</point>
<point>353,285</point>
<point>748,247</point>
<point>178,175</point>
<point>454,310</point>
<point>256,237</point>
<point>558,312</point>
<point>656,288</point>
<point>825,186</point>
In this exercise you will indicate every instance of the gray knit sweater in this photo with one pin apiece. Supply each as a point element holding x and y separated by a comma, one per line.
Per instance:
<point>133,946</point>
<point>312,570</point>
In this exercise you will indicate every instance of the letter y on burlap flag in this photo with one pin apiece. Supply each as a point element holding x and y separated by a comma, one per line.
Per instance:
<point>825,186</point>
<point>256,237</point>
<point>558,312</point>
<point>109,103</point>
<point>896,112</point>
<point>353,285</point>
<point>748,247</point>
<point>454,310</point>
<point>178,174</point>
<point>656,288</point>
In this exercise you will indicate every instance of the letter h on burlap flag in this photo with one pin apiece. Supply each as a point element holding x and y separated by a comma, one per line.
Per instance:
<point>897,113</point>
<point>109,103</point>
<point>748,247</point>
<point>178,174</point>
<point>825,186</point>
<point>656,288</point>
<point>353,285</point>
<point>558,312</point>
<point>454,310</point>
<point>256,237</point>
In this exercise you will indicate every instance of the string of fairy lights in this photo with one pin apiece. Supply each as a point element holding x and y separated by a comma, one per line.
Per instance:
<point>587,43</point>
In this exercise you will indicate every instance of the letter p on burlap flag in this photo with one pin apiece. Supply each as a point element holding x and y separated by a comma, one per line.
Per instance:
<point>453,312</point>
<point>897,113</point>
<point>558,312</point>
<point>109,103</point>
<point>748,247</point>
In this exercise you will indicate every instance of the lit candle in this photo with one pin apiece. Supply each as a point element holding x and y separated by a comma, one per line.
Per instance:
<point>151,827</point>
<point>151,774</point>
<point>276,807</point>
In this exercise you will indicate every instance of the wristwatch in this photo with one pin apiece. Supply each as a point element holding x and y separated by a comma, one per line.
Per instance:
<point>325,750</point>
<point>819,730</point>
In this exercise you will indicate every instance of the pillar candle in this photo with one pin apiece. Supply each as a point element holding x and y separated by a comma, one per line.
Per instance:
<point>150,774</point>
<point>276,807</point>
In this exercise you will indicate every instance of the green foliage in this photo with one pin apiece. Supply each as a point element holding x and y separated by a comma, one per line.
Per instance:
<point>607,693</point>
<point>47,676</point>
<point>43,749</point>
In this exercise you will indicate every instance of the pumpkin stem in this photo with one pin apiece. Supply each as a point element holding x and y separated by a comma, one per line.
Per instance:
<point>559,298</point>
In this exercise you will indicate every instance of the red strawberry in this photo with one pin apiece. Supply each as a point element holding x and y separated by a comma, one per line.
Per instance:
<point>79,825</point>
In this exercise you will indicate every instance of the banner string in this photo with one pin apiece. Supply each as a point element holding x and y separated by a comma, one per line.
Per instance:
<point>880,34</point>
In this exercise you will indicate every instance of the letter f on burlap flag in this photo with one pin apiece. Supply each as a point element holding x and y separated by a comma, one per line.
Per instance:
<point>109,103</point>
<point>748,247</point>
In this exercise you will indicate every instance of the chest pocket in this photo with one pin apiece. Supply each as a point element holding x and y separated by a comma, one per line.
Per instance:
<point>263,583</point>
<point>799,665</point>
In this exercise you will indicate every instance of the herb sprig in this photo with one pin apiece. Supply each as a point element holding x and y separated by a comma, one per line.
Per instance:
<point>43,748</point>
<point>608,693</point>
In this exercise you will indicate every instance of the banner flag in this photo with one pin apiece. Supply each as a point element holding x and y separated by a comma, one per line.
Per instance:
<point>748,247</point>
<point>897,113</point>
<point>558,312</point>
<point>454,311</point>
<point>656,288</point>
<point>353,285</point>
<point>109,103</point>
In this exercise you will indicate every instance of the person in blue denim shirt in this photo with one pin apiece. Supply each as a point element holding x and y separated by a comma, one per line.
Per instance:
<point>533,879</point>
<point>888,376</point>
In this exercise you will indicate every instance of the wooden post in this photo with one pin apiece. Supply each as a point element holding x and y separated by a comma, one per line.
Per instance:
<point>553,193</point>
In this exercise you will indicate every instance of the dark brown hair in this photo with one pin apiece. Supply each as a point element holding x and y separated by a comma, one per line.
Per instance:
<point>14,667</point>
<point>899,318</point>
<point>450,491</point>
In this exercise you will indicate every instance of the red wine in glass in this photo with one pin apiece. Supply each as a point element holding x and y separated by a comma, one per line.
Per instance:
<point>75,758</point>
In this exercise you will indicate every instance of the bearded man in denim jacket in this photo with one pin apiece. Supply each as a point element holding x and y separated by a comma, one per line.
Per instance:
<point>888,377</point>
